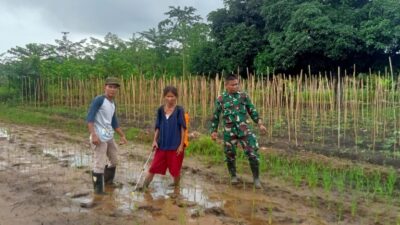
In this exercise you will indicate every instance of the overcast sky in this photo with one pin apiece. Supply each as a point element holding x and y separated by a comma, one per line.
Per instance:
<point>42,21</point>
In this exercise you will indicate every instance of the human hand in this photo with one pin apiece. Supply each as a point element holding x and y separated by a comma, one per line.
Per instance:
<point>263,129</point>
<point>214,136</point>
<point>123,140</point>
<point>180,150</point>
<point>154,145</point>
<point>95,139</point>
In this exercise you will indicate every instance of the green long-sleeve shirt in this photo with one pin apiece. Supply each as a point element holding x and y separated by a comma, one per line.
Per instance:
<point>234,109</point>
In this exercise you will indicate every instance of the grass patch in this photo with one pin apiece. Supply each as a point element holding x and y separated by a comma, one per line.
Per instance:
<point>205,146</point>
<point>308,172</point>
<point>132,133</point>
<point>7,94</point>
<point>317,174</point>
<point>69,120</point>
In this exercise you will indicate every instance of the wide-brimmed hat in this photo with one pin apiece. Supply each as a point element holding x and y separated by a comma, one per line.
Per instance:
<point>112,80</point>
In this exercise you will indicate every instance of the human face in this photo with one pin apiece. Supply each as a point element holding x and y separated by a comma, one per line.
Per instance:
<point>110,90</point>
<point>170,99</point>
<point>232,86</point>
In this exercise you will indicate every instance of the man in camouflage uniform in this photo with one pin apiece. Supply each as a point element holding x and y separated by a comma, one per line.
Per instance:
<point>234,106</point>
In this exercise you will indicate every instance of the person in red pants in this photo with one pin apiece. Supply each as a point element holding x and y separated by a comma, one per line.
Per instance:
<point>168,138</point>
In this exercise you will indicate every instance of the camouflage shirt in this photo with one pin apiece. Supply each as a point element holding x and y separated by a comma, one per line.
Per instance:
<point>234,109</point>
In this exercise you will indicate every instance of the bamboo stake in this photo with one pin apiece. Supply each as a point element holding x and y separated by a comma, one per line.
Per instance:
<point>393,101</point>
<point>338,106</point>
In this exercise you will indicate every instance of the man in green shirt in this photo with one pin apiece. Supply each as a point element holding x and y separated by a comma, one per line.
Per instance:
<point>234,107</point>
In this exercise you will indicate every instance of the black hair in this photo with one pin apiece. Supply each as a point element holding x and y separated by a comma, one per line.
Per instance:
<point>230,77</point>
<point>171,89</point>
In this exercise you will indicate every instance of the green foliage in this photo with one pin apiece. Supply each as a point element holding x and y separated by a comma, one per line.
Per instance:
<point>286,35</point>
<point>238,33</point>
<point>205,146</point>
<point>391,181</point>
<point>132,133</point>
<point>73,121</point>
<point>327,180</point>
<point>317,174</point>
<point>326,34</point>
<point>7,94</point>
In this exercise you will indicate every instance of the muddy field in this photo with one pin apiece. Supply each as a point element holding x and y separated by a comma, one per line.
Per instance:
<point>45,179</point>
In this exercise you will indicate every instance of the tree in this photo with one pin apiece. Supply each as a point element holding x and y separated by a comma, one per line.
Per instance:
<point>174,33</point>
<point>327,34</point>
<point>238,31</point>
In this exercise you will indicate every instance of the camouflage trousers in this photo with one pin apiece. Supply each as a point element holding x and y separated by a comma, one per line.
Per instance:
<point>248,142</point>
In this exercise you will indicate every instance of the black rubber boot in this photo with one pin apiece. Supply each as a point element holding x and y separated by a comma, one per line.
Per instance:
<point>232,171</point>
<point>254,165</point>
<point>98,183</point>
<point>109,174</point>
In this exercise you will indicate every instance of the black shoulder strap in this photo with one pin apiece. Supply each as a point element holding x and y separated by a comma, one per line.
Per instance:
<point>159,112</point>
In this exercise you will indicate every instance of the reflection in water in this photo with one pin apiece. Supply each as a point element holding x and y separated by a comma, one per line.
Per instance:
<point>74,157</point>
<point>160,189</point>
<point>4,134</point>
<point>159,192</point>
<point>124,200</point>
<point>129,170</point>
<point>191,196</point>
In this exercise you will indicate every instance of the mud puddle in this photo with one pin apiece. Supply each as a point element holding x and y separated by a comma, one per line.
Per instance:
<point>4,134</point>
<point>122,199</point>
<point>47,179</point>
<point>69,156</point>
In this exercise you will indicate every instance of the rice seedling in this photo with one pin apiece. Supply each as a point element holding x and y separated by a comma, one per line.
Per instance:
<point>253,207</point>
<point>340,211</point>
<point>358,176</point>
<point>297,174</point>
<point>378,187</point>
<point>354,207</point>
<point>270,214</point>
<point>327,180</point>
<point>340,179</point>
<point>312,176</point>
<point>390,182</point>
<point>263,164</point>
<point>182,216</point>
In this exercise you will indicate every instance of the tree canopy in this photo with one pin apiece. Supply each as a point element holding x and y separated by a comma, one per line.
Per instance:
<point>284,35</point>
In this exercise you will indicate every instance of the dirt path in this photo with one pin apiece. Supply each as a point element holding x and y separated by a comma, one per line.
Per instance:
<point>45,179</point>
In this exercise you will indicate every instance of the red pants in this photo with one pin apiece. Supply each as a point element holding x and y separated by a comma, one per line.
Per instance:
<point>164,159</point>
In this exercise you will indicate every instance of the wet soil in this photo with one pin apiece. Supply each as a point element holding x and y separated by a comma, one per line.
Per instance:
<point>45,179</point>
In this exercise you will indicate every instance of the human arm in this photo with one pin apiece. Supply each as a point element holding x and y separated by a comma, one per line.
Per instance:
<point>93,109</point>
<point>156,135</point>
<point>121,135</point>
<point>183,126</point>
<point>180,148</point>
<point>215,119</point>
<point>115,126</point>
<point>93,136</point>
<point>251,110</point>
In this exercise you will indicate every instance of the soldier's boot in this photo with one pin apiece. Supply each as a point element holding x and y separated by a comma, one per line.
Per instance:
<point>254,165</point>
<point>109,174</point>
<point>232,171</point>
<point>98,183</point>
